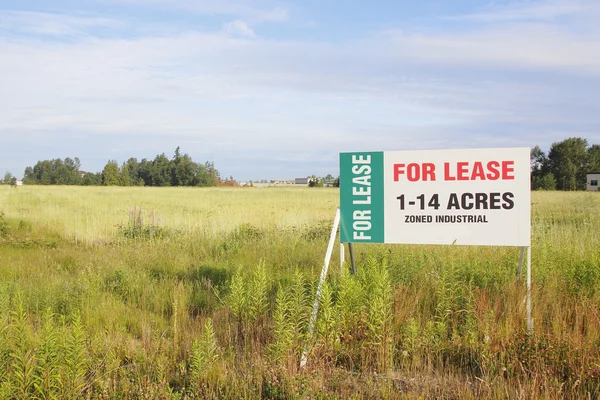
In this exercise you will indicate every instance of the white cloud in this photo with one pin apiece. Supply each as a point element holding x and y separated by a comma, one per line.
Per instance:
<point>232,94</point>
<point>249,10</point>
<point>53,24</point>
<point>277,14</point>
<point>238,27</point>
<point>544,10</point>
<point>522,45</point>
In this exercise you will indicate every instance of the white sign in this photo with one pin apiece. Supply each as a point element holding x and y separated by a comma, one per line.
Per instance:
<point>464,197</point>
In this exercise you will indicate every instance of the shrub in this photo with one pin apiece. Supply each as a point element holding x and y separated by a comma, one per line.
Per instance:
<point>138,228</point>
<point>4,228</point>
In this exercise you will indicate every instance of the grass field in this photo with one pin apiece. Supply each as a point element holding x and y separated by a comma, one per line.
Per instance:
<point>177,293</point>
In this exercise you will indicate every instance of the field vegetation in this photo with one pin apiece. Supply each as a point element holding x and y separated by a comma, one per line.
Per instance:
<point>181,293</point>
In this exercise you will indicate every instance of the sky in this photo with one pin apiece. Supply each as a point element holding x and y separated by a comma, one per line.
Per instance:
<point>271,89</point>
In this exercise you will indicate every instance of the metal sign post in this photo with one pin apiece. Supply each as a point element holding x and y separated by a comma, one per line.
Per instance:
<point>351,250</point>
<point>342,256</point>
<point>520,263</point>
<point>529,317</point>
<point>315,311</point>
<point>528,298</point>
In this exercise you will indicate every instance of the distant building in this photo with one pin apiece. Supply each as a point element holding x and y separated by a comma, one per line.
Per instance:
<point>19,183</point>
<point>592,181</point>
<point>301,181</point>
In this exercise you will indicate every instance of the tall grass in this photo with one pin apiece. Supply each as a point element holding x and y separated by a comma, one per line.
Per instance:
<point>95,304</point>
<point>91,215</point>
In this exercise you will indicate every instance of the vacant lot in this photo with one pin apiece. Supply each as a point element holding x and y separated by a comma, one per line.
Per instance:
<point>205,293</point>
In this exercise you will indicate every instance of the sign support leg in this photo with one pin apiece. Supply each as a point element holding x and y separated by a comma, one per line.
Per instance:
<point>521,256</point>
<point>342,258</point>
<point>529,317</point>
<point>351,251</point>
<point>313,317</point>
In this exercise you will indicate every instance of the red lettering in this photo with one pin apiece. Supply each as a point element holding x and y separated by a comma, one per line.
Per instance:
<point>494,173</point>
<point>478,172</point>
<point>508,168</point>
<point>447,176</point>
<point>413,172</point>
<point>398,170</point>
<point>462,171</point>
<point>429,172</point>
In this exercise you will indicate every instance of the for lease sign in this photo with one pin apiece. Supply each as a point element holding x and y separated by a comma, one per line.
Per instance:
<point>465,197</point>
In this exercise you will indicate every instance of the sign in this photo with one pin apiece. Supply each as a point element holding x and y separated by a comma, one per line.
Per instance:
<point>463,197</point>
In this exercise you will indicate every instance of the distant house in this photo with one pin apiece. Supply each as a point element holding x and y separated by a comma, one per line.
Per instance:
<point>301,181</point>
<point>592,181</point>
<point>19,183</point>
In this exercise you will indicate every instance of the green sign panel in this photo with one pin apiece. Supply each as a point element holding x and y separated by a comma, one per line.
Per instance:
<point>361,197</point>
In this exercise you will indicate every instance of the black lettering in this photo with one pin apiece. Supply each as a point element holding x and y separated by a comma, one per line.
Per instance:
<point>453,202</point>
<point>481,201</point>
<point>418,219</point>
<point>495,201</point>
<point>464,201</point>
<point>508,201</point>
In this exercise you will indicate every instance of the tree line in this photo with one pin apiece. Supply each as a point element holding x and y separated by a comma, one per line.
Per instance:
<point>326,181</point>
<point>180,170</point>
<point>565,166</point>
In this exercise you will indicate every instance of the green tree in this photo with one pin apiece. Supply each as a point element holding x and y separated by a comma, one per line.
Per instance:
<point>546,182</point>
<point>43,172</point>
<point>146,171</point>
<point>29,177</point>
<point>110,174</point>
<point>133,167</point>
<point>567,161</point>
<point>7,178</point>
<point>539,163</point>
<point>180,171</point>
<point>211,173</point>
<point>124,178</point>
<point>593,158</point>
<point>54,172</point>
<point>185,171</point>
<point>71,174</point>
<point>328,180</point>
<point>161,175</point>
<point>91,179</point>
<point>315,181</point>
<point>61,173</point>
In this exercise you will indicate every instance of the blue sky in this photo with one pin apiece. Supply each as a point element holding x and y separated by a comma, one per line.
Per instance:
<point>276,89</point>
